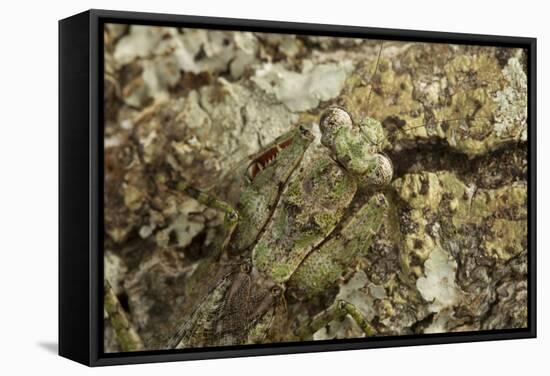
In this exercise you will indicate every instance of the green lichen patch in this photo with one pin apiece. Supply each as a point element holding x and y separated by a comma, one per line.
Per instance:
<point>507,239</point>
<point>445,223</point>
<point>467,100</point>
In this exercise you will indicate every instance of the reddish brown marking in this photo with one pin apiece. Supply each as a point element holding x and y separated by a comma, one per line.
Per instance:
<point>284,144</point>
<point>265,158</point>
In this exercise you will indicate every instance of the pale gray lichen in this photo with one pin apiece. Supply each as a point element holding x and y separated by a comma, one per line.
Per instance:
<point>160,75</point>
<point>438,286</point>
<point>160,55</point>
<point>246,49</point>
<point>301,91</point>
<point>440,322</point>
<point>194,117</point>
<point>114,269</point>
<point>240,115</point>
<point>213,51</point>
<point>287,44</point>
<point>511,112</point>
<point>185,226</point>
<point>143,42</point>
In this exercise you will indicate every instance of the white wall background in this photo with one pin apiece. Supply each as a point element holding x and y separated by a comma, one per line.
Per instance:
<point>28,186</point>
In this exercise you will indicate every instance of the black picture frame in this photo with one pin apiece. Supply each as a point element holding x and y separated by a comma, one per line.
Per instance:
<point>81,186</point>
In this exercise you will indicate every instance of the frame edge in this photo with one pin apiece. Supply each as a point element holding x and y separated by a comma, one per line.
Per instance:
<point>74,250</point>
<point>94,356</point>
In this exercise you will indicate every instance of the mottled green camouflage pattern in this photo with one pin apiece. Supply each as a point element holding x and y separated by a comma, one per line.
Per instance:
<point>287,212</point>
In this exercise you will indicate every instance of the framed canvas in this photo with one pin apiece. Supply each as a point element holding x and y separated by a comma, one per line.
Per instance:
<point>236,187</point>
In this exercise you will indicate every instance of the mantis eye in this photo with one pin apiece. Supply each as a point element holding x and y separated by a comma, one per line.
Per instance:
<point>334,118</point>
<point>382,174</point>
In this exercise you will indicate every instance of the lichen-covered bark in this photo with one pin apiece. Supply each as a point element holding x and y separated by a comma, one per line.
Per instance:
<point>191,105</point>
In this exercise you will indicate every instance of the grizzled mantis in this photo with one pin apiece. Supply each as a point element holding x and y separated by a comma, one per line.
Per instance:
<point>287,235</point>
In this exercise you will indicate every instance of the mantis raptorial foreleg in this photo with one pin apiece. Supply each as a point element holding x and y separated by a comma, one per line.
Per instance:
<point>231,217</point>
<point>337,311</point>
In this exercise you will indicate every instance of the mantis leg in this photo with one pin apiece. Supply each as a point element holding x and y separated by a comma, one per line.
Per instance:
<point>324,267</point>
<point>337,311</point>
<point>231,218</point>
<point>207,199</point>
<point>127,336</point>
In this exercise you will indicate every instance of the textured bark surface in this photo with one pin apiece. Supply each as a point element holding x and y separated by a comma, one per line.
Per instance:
<point>190,105</point>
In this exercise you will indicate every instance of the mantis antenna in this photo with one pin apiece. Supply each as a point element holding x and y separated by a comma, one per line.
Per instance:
<point>374,73</point>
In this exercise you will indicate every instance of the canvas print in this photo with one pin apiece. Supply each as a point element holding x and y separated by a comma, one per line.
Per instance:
<point>266,188</point>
